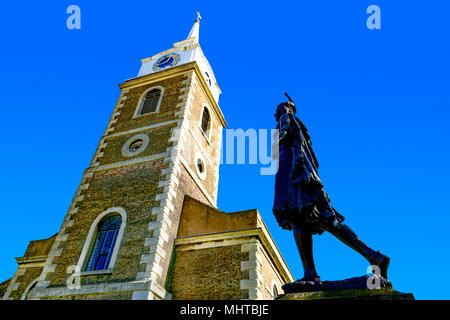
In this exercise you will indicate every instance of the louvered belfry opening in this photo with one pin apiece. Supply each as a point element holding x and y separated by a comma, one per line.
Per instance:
<point>151,101</point>
<point>205,120</point>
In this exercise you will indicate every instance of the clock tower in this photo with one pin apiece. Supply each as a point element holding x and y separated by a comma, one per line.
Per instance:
<point>162,143</point>
<point>143,223</point>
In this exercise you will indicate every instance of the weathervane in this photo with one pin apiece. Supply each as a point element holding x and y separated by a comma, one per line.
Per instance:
<point>199,17</point>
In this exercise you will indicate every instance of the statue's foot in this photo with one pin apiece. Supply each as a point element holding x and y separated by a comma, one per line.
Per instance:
<point>382,261</point>
<point>309,281</point>
<point>305,284</point>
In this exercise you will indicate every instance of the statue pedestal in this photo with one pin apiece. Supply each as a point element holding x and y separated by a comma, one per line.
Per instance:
<point>349,289</point>
<point>349,294</point>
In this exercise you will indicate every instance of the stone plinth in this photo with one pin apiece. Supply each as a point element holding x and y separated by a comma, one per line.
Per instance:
<point>351,289</point>
<point>349,294</point>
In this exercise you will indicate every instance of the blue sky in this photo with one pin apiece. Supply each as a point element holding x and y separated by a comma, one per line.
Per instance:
<point>376,103</point>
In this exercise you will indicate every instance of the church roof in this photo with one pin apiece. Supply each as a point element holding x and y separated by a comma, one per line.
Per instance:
<point>3,286</point>
<point>37,249</point>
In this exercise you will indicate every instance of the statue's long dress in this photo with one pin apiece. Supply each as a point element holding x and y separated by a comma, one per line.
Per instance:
<point>299,195</point>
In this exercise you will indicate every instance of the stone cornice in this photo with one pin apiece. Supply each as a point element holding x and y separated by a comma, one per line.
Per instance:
<point>261,232</point>
<point>22,260</point>
<point>101,288</point>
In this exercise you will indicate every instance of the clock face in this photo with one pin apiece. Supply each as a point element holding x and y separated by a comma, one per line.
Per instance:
<point>168,60</point>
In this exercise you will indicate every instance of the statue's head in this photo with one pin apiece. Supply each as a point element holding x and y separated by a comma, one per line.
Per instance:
<point>284,108</point>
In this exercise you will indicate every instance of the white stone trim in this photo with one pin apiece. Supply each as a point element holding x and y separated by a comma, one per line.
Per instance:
<point>93,232</point>
<point>253,265</point>
<point>130,162</point>
<point>14,284</point>
<point>25,293</point>
<point>213,243</point>
<point>125,149</point>
<point>141,102</point>
<point>94,272</point>
<point>33,264</point>
<point>218,236</point>
<point>102,288</point>
<point>153,126</point>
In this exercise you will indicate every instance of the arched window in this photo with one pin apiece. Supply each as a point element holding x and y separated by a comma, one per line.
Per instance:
<point>30,287</point>
<point>150,101</point>
<point>206,119</point>
<point>103,247</point>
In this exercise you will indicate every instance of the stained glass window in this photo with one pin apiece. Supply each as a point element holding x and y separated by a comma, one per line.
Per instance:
<point>105,240</point>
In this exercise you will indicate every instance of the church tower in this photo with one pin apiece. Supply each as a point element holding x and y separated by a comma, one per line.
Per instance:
<point>143,223</point>
<point>162,142</point>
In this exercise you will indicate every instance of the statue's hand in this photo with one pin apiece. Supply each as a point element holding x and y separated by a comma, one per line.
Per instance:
<point>282,136</point>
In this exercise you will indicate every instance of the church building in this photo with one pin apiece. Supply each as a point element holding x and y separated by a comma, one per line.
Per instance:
<point>143,223</point>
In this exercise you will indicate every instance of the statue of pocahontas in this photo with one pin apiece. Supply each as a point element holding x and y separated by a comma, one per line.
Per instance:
<point>300,202</point>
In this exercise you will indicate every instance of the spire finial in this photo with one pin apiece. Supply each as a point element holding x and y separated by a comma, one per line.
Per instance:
<point>195,28</point>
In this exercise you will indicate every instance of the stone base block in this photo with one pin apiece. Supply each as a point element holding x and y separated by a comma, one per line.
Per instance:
<point>349,294</point>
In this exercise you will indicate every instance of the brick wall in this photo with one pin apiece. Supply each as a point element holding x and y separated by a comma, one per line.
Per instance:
<point>172,87</point>
<point>212,273</point>
<point>133,188</point>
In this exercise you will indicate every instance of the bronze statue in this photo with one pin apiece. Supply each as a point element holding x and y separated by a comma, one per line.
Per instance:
<point>300,202</point>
